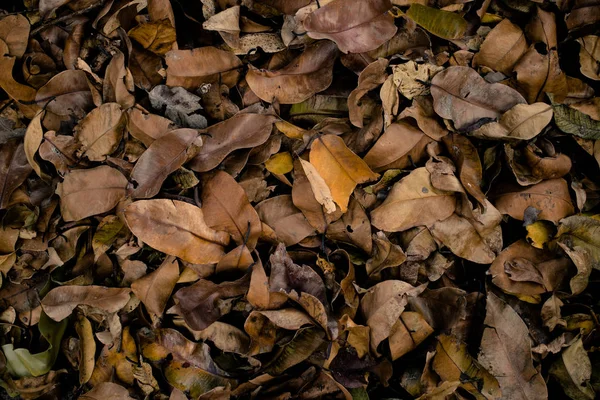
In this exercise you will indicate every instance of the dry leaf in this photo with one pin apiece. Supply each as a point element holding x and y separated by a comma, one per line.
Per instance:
<point>176,228</point>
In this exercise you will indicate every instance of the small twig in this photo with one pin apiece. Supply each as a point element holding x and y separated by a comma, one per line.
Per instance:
<point>66,17</point>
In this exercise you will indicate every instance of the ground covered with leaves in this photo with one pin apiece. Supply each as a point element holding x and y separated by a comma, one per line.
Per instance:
<point>296,199</point>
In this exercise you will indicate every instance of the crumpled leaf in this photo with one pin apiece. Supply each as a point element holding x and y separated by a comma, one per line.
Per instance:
<point>310,73</point>
<point>154,289</point>
<point>164,156</point>
<point>21,363</point>
<point>176,228</point>
<point>412,79</point>
<point>460,94</point>
<point>156,36</point>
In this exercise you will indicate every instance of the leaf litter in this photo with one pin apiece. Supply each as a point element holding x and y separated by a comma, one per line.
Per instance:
<point>299,199</point>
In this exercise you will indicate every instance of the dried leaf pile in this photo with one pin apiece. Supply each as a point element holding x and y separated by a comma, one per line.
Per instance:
<point>298,199</point>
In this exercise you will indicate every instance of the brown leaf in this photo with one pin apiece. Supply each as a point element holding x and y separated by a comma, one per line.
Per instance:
<point>118,84</point>
<point>242,131</point>
<point>61,301</point>
<point>91,191</point>
<point>382,306</point>
<point>574,370</point>
<point>107,390</point>
<point>154,289</point>
<point>465,156</point>
<point>400,144</point>
<point>238,259</point>
<point>356,26</point>
<point>551,197</point>
<point>310,73</point>
<point>60,150</point>
<point>285,219</point>
<point>192,68</point>
<point>539,74</point>
<point>502,48</point>
<point>205,302</point>
<point>164,156</point>
<point>262,326</point>
<point>32,141</point>
<point>339,167</point>
<point>66,94</point>
<point>589,56</point>
<point>386,254</point>
<point>413,201</point>
<point>101,131</point>
<point>147,127</point>
<point>544,270</point>
<point>14,169</point>
<point>176,228</point>
<point>408,332</point>
<point>452,362</point>
<point>506,352</point>
<point>14,31</point>
<point>460,94</point>
<point>370,78</point>
<point>551,313</point>
<point>353,227</point>
<point>226,208</point>
<point>523,121</point>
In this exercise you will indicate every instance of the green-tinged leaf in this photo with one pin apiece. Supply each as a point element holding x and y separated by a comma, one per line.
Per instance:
<point>444,24</point>
<point>109,230</point>
<point>575,122</point>
<point>297,350</point>
<point>359,394</point>
<point>21,363</point>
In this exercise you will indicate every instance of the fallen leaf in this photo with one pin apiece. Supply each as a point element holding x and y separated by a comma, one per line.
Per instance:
<point>14,31</point>
<point>310,73</point>
<point>101,131</point>
<point>61,301</point>
<point>574,370</point>
<point>551,197</point>
<point>513,366</point>
<point>176,228</point>
<point>280,214</point>
<point>192,68</point>
<point>413,201</point>
<point>441,23</point>
<point>341,169</point>
<point>460,94</point>
<point>370,78</point>
<point>523,121</point>
<point>226,208</point>
<point>355,26</point>
<point>280,163</point>
<point>88,192</point>
<point>229,135</point>
<point>154,289</point>
<point>502,48</point>
<point>14,169</point>
<point>66,94</point>
<point>164,156</point>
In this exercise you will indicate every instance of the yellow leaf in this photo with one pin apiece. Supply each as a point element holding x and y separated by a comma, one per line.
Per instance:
<point>339,167</point>
<point>444,24</point>
<point>158,36</point>
<point>280,163</point>
<point>540,233</point>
